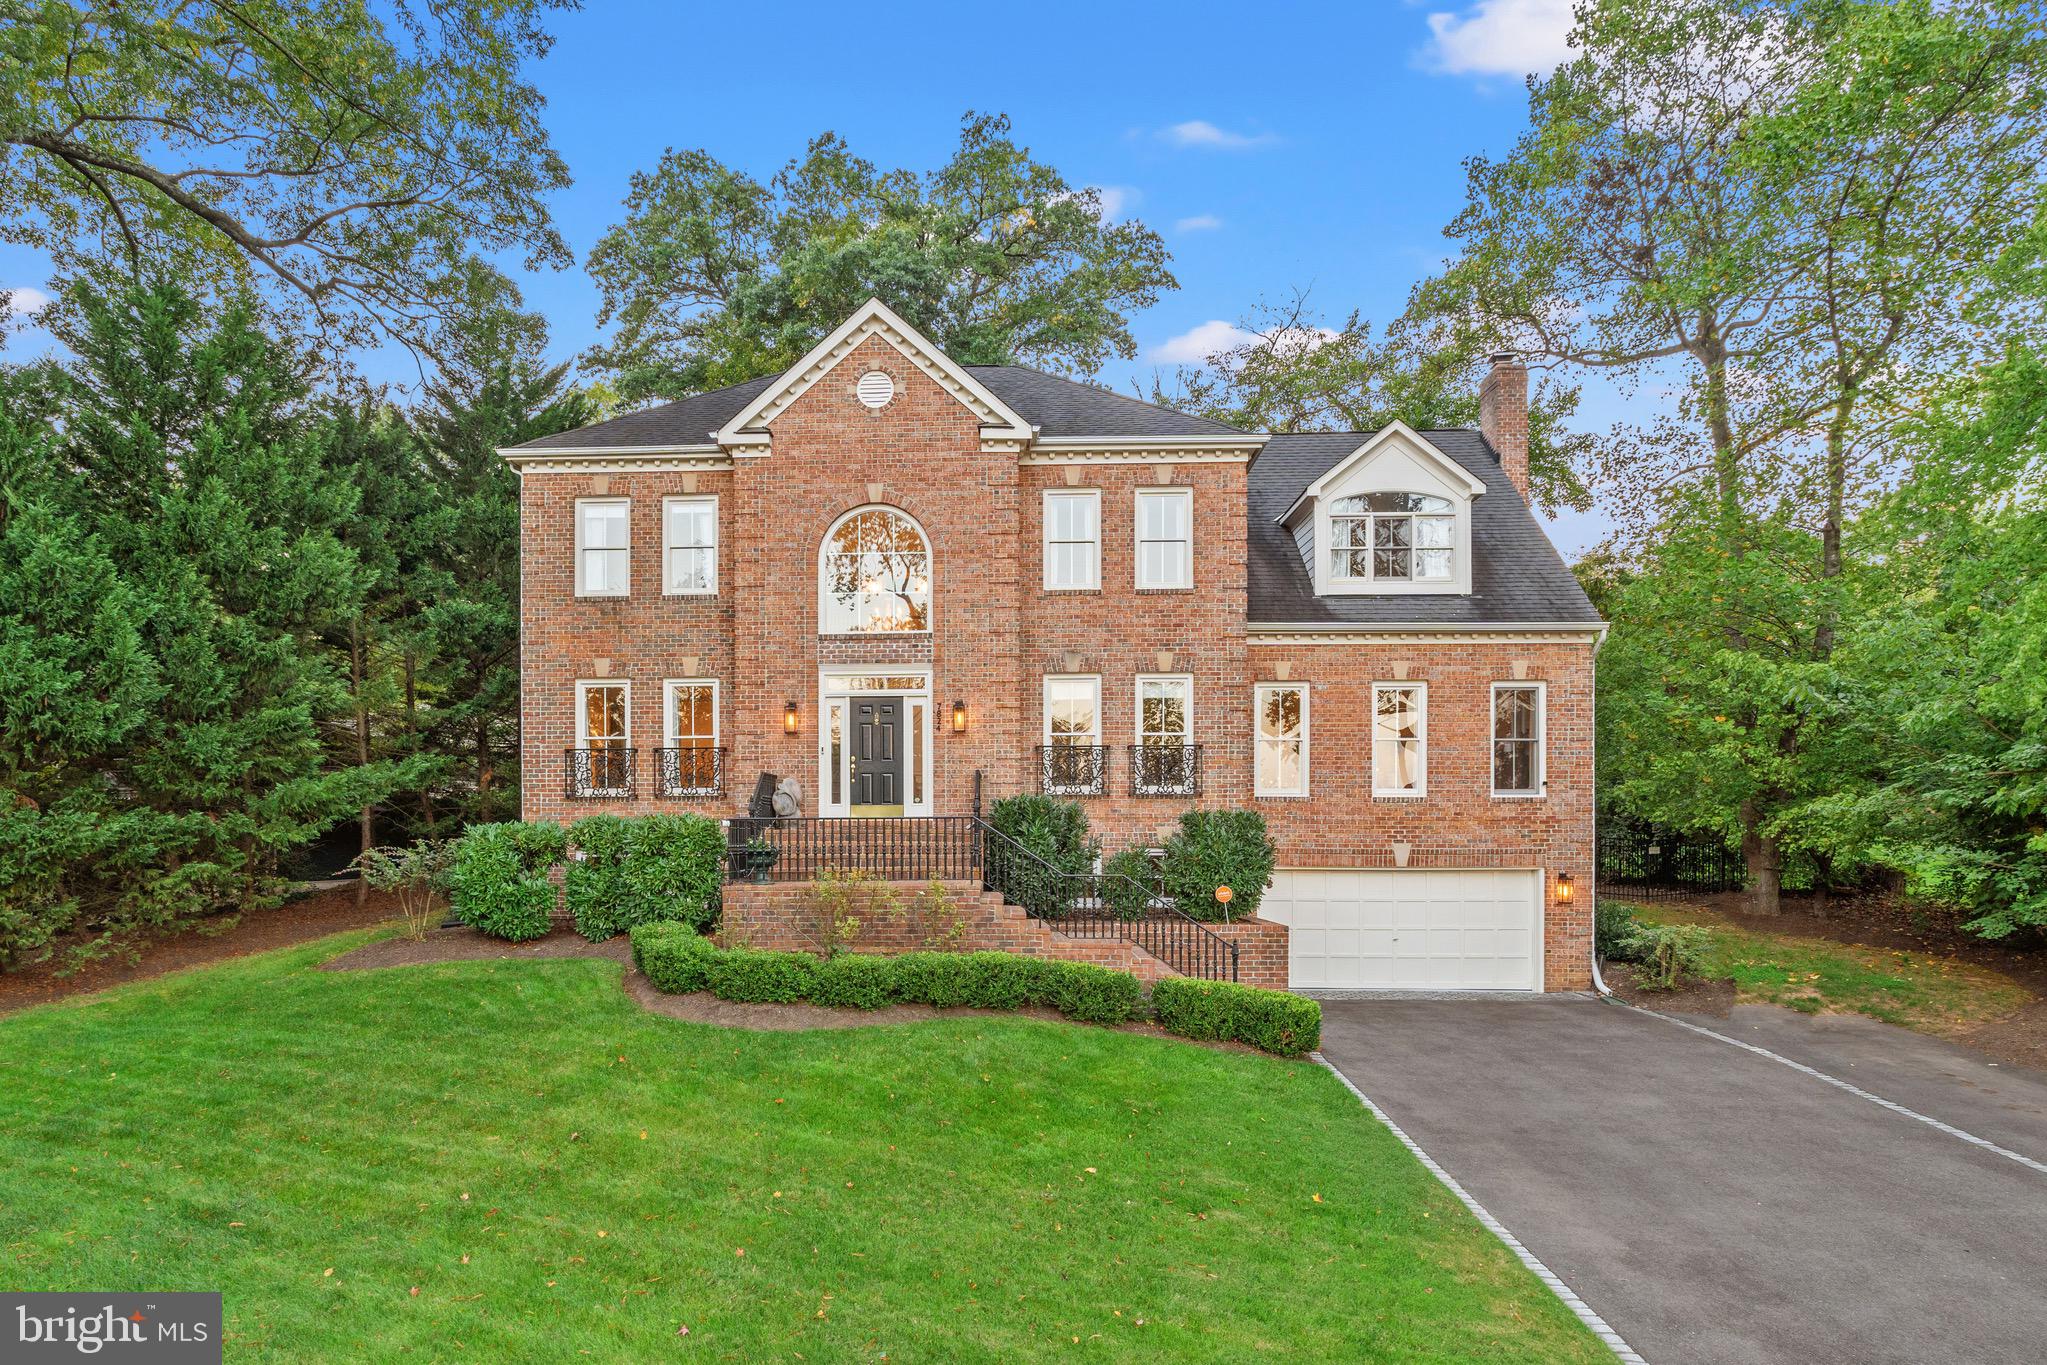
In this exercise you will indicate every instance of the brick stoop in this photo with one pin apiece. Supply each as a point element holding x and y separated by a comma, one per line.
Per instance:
<point>780,915</point>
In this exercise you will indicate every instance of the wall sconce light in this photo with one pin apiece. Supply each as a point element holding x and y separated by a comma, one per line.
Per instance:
<point>959,717</point>
<point>1563,888</point>
<point>789,718</point>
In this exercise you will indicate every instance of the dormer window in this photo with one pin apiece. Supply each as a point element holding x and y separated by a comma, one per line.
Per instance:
<point>1394,537</point>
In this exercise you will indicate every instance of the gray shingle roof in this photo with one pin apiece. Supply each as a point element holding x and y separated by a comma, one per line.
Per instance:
<point>1056,406</point>
<point>1516,574</point>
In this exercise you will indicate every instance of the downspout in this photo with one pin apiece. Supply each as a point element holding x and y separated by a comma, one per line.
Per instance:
<point>1598,982</point>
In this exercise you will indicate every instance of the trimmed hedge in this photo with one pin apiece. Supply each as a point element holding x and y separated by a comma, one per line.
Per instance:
<point>678,960</point>
<point>594,885</point>
<point>674,865</point>
<point>499,883</point>
<point>1222,1011</point>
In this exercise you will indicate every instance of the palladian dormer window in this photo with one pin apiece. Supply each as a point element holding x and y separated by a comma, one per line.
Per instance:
<point>875,575</point>
<point>1392,537</point>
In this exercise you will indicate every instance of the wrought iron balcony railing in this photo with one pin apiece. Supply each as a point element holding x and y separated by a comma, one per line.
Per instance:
<point>1073,769</point>
<point>602,774</point>
<point>1165,770</point>
<point>690,772</point>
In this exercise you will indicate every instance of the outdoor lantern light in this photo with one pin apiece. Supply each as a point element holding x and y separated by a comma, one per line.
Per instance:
<point>959,717</point>
<point>789,718</point>
<point>1563,888</point>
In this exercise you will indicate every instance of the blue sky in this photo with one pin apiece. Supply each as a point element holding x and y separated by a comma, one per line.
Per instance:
<point>1275,147</point>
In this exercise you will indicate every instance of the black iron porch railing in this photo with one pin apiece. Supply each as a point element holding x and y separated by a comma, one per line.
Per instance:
<point>1104,905</point>
<point>602,774</point>
<point>912,848</point>
<point>1073,769</point>
<point>690,772</point>
<point>1165,770</point>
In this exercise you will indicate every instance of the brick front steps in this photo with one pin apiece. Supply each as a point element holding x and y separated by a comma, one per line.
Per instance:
<point>780,915</point>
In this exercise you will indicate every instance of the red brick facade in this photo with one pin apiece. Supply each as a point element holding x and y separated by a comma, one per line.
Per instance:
<point>996,633</point>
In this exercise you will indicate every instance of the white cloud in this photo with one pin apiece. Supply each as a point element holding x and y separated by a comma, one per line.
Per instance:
<point>1202,133</point>
<point>1197,345</point>
<point>1200,222</point>
<point>1500,38</point>
<point>1117,201</point>
<point>28,300</point>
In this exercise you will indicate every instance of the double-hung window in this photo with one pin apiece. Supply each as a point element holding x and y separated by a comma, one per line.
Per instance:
<point>1165,537</point>
<point>602,762</point>
<point>690,764</point>
<point>1164,761</point>
<point>1400,735</point>
<point>1281,761</point>
<point>1073,539</point>
<point>690,545</point>
<point>1517,739</point>
<point>1392,537</point>
<point>603,547</point>
<point>1074,760</point>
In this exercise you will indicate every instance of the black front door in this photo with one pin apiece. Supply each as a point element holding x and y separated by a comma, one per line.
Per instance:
<point>878,755</point>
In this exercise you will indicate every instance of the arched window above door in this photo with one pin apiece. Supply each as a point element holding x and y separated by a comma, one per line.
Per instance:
<point>874,574</point>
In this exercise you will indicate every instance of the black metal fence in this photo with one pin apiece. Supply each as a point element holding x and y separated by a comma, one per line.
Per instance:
<point>1651,864</point>
<point>911,848</point>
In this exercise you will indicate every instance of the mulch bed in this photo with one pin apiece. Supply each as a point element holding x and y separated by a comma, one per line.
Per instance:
<point>296,921</point>
<point>1712,998</point>
<point>1882,920</point>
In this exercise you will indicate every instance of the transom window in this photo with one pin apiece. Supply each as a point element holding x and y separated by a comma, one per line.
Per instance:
<point>1073,540</point>
<point>1517,739</point>
<point>876,574</point>
<point>603,547</point>
<point>690,535</point>
<point>1399,739</point>
<point>1165,532</point>
<point>1282,739</point>
<point>1397,537</point>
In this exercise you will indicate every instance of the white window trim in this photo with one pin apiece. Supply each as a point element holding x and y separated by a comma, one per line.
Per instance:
<point>668,686</point>
<point>1185,495</point>
<point>577,569</point>
<point>930,567</point>
<point>1186,680</point>
<point>1421,789</point>
<point>583,686</point>
<point>1094,681</point>
<point>1258,695</point>
<point>1541,741</point>
<point>668,588</point>
<point>1093,495</point>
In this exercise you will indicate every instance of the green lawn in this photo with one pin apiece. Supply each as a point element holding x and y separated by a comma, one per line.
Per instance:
<point>511,1161</point>
<point>1913,989</point>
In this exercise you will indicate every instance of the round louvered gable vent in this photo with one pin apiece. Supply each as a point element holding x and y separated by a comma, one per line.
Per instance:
<point>875,389</point>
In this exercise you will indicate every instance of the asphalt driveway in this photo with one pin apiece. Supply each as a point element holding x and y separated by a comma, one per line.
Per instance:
<point>1714,1205</point>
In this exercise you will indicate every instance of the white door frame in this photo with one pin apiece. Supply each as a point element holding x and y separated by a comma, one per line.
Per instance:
<point>836,687</point>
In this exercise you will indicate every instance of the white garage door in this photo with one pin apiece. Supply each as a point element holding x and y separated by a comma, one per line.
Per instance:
<point>1410,929</point>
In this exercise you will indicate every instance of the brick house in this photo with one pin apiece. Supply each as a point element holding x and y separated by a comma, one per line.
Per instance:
<point>910,584</point>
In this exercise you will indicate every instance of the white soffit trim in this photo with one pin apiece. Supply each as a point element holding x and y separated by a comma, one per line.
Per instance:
<point>612,459</point>
<point>1415,632</point>
<point>873,318</point>
<point>1457,473</point>
<point>1219,449</point>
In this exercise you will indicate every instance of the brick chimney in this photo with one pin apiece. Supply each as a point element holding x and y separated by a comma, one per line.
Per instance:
<point>1503,415</point>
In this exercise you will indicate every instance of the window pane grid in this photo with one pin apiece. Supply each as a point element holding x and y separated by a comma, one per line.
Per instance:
<point>692,536</point>
<point>1396,537</point>
<point>877,575</point>
<point>1281,741</point>
<point>1072,544</point>
<point>1164,539</point>
<point>1398,739</point>
<point>1517,740</point>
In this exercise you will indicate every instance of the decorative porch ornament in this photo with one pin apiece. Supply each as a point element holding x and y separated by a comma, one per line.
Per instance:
<point>788,798</point>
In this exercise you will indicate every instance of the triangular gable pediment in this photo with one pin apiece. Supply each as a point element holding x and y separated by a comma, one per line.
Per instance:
<point>1398,435</point>
<point>1001,427</point>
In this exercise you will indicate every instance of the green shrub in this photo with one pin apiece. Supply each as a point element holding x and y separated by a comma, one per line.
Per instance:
<point>499,882</point>
<point>1128,882</point>
<point>1223,1011</point>
<point>673,957</point>
<point>1091,994</point>
<point>759,977</point>
<point>674,865</point>
<point>998,981</point>
<point>594,884</point>
<point>1669,954</point>
<point>856,981</point>
<point>1215,848</point>
<point>1054,830</point>
<point>938,979</point>
<point>1616,933</point>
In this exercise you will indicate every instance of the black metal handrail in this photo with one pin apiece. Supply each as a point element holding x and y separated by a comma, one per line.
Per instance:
<point>1073,769</point>
<point>907,848</point>
<point>602,774</point>
<point>1165,770</point>
<point>690,772</point>
<point>1104,905</point>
